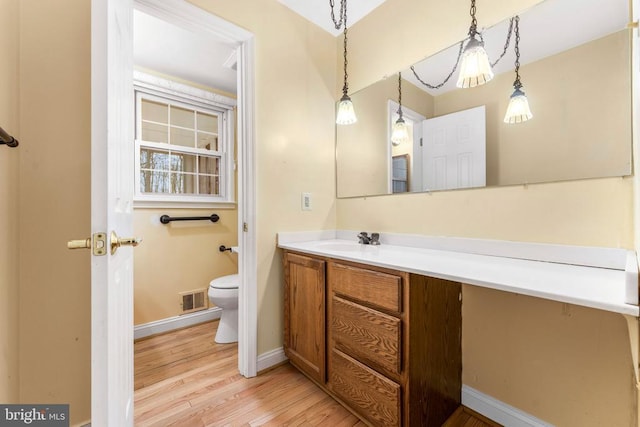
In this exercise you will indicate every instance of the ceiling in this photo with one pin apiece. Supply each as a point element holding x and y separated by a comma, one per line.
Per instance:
<point>175,51</point>
<point>319,11</point>
<point>548,28</point>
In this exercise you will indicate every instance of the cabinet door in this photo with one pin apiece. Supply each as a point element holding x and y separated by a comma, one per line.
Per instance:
<point>304,316</point>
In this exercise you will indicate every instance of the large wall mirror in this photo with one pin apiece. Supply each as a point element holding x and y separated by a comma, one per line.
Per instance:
<point>575,68</point>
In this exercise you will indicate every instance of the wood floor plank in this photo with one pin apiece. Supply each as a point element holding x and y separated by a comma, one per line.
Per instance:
<point>184,379</point>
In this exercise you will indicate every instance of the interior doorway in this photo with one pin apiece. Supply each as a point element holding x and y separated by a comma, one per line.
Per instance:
<point>209,29</point>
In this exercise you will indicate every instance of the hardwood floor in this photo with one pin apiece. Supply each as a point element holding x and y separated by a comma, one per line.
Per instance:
<point>465,417</point>
<point>183,378</point>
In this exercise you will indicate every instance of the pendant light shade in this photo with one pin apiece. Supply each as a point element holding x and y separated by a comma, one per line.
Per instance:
<point>400,133</point>
<point>475,69</point>
<point>346,113</point>
<point>518,110</point>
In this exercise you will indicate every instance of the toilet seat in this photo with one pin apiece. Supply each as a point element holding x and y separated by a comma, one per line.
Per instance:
<point>225,282</point>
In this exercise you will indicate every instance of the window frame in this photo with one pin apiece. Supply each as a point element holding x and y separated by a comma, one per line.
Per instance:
<point>157,89</point>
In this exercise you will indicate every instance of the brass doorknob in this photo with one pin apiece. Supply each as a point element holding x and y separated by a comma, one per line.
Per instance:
<point>116,242</point>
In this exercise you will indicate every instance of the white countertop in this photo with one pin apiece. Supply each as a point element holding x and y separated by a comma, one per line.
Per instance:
<point>596,287</point>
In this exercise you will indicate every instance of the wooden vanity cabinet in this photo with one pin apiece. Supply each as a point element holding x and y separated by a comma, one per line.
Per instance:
<point>394,344</point>
<point>393,340</point>
<point>304,314</point>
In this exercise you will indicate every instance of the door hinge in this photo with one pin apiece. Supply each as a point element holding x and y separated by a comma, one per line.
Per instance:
<point>420,141</point>
<point>245,227</point>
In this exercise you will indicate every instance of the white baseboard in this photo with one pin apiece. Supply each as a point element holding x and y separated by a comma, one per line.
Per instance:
<point>498,411</point>
<point>177,322</point>
<point>270,358</point>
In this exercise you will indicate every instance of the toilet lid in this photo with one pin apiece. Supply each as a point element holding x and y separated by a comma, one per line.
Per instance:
<point>225,282</point>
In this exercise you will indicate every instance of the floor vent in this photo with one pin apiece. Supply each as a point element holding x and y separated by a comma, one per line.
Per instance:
<point>193,301</point>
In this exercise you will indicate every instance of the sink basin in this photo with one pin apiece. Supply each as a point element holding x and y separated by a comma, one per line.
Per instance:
<point>340,247</point>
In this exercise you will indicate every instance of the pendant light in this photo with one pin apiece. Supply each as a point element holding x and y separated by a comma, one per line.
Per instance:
<point>475,69</point>
<point>346,113</point>
<point>518,110</point>
<point>400,132</point>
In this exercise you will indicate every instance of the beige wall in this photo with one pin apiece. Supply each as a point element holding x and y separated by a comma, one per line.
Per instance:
<point>54,203</point>
<point>9,204</point>
<point>363,150</point>
<point>294,131</point>
<point>179,257</point>
<point>527,352</point>
<point>295,81</point>
<point>582,120</point>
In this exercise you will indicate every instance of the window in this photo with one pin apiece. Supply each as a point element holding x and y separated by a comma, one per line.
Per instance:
<point>400,175</point>
<point>184,148</point>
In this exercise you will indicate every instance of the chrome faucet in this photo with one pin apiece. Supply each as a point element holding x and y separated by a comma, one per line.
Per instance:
<point>364,238</point>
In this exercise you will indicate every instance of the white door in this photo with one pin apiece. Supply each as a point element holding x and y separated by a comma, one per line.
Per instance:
<point>112,118</point>
<point>454,153</point>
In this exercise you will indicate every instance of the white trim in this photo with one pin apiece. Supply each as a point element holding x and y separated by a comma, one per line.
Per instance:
<point>160,86</point>
<point>195,19</point>
<point>167,204</point>
<point>176,322</point>
<point>271,358</point>
<point>498,411</point>
<point>247,186</point>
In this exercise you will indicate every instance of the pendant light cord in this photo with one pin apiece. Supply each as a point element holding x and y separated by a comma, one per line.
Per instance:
<point>474,24</point>
<point>338,23</point>
<point>444,82</point>
<point>343,14</point>
<point>400,95</point>
<point>345,87</point>
<point>506,43</point>
<point>517,84</point>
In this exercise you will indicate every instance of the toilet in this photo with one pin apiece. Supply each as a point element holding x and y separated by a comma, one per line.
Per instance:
<point>223,293</point>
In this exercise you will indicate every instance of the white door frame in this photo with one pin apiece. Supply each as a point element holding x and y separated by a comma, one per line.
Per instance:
<point>181,13</point>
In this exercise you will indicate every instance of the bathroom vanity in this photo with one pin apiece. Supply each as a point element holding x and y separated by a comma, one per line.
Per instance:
<point>376,339</point>
<point>379,327</point>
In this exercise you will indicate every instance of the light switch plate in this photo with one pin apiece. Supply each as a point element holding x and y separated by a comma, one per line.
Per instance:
<point>306,201</point>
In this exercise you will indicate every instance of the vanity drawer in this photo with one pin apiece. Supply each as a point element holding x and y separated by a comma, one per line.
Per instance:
<point>373,396</point>
<point>371,287</point>
<point>367,334</point>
